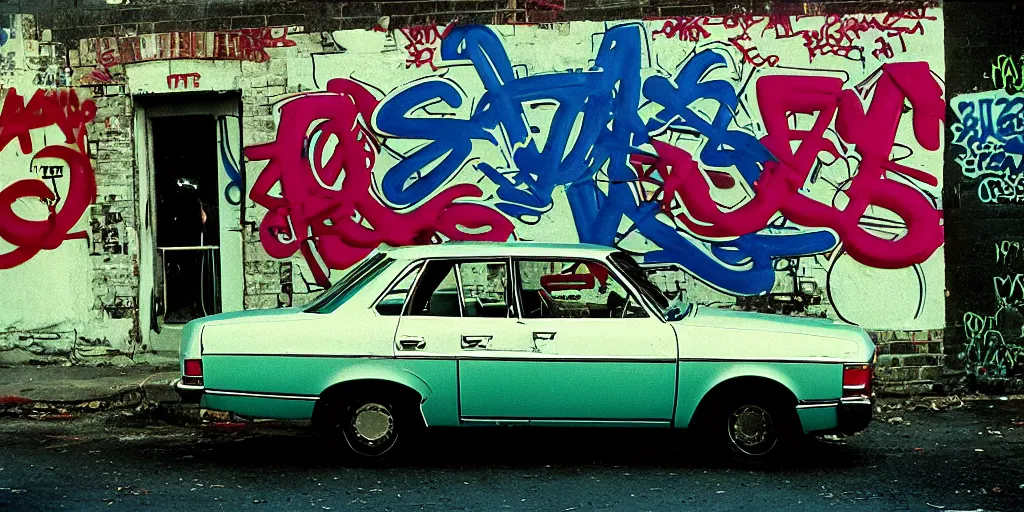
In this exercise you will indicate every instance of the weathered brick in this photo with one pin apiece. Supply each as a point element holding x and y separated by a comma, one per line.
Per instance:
<point>255,252</point>
<point>931,373</point>
<point>921,360</point>
<point>889,360</point>
<point>260,301</point>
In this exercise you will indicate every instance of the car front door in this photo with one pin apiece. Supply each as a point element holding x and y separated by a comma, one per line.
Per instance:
<point>583,351</point>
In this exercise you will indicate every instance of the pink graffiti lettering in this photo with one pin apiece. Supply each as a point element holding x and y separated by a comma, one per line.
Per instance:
<point>46,108</point>
<point>424,41</point>
<point>871,132</point>
<point>323,159</point>
<point>183,81</point>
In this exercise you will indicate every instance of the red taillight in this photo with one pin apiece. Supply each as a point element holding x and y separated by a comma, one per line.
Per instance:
<point>857,380</point>
<point>194,367</point>
<point>193,375</point>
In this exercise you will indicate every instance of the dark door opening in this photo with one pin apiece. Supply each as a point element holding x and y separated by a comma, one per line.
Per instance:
<point>187,234</point>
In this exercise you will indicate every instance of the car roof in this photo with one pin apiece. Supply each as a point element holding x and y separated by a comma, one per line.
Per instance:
<point>498,249</point>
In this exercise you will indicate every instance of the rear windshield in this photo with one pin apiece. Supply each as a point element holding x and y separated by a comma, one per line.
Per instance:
<point>354,280</point>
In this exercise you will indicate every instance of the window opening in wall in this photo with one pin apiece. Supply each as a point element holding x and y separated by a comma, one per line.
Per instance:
<point>187,233</point>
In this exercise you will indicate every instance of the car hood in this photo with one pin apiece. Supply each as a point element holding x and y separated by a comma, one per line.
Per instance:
<point>719,333</point>
<point>745,320</point>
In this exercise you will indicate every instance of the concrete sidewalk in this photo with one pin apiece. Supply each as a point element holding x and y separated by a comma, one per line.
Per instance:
<point>27,388</point>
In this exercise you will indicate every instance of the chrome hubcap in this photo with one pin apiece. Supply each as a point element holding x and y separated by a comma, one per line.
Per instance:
<point>373,423</point>
<point>750,427</point>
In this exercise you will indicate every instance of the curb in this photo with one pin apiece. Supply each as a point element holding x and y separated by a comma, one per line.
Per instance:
<point>146,393</point>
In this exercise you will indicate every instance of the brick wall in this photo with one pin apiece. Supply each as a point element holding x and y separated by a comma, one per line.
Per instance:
<point>909,361</point>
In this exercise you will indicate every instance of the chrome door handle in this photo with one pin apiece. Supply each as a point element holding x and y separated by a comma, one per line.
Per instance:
<point>412,342</point>
<point>543,336</point>
<point>475,341</point>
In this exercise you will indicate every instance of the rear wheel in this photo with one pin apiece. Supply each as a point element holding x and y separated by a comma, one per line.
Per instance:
<point>753,428</point>
<point>370,425</point>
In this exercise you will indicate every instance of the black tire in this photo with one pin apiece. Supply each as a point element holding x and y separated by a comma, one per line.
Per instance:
<point>752,428</point>
<point>371,426</point>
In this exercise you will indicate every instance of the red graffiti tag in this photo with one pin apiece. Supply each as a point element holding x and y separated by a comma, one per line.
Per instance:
<point>323,159</point>
<point>871,132</point>
<point>183,81</point>
<point>424,41</point>
<point>839,35</point>
<point>686,28</point>
<point>46,108</point>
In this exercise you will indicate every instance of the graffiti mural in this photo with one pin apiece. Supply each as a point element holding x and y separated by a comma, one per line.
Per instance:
<point>813,170</point>
<point>1006,74</point>
<point>988,137</point>
<point>994,344</point>
<point>63,185</point>
<point>991,133</point>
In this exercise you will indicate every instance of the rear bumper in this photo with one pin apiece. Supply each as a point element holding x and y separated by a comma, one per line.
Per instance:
<point>188,394</point>
<point>845,416</point>
<point>854,414</point>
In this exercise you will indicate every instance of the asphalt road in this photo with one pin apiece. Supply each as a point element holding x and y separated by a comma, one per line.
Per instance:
<point>108,462</point>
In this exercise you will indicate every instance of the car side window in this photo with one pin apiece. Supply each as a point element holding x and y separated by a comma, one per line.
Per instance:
<point>573,289</point>
<point>484,289</point>
<point>437,292</point>
<point>393,302</point>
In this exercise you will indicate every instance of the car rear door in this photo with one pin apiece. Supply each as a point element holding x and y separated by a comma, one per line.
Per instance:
<point>583,351</point>
<point>456,306</point>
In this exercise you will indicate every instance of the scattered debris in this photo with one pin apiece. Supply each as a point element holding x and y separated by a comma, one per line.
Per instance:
<point>130,489</point>
<point>887,408</point>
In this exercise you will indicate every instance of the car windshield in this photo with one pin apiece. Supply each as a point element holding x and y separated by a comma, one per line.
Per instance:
<point>672,309</point>
<point>350,283</point>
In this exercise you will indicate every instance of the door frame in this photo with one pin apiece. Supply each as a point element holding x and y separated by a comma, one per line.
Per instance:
<point>148,107</point>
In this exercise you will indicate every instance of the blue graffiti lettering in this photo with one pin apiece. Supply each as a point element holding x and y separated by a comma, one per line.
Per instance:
<point>595,129</point>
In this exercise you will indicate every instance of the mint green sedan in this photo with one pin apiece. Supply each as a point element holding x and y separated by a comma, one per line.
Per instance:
<point>465,334</point>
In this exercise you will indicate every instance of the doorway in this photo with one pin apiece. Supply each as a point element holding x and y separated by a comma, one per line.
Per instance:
<point>189,150</point>
<point>187,234</point>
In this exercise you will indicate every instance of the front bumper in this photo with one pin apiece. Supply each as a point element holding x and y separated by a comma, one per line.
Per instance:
<point>854,414</point>
<point>188,394</point>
